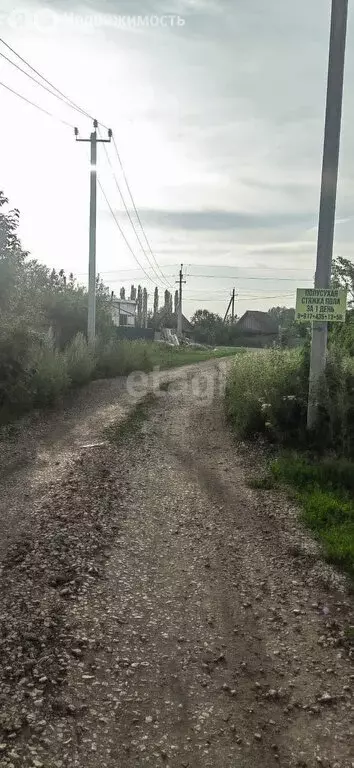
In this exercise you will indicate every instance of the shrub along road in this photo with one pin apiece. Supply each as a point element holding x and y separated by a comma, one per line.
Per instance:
<point>161,612</point>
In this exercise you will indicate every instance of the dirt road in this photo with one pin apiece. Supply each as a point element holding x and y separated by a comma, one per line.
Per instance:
<point>160,612</point>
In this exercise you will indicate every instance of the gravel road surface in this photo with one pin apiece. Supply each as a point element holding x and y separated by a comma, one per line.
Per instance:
<point>154,609</point>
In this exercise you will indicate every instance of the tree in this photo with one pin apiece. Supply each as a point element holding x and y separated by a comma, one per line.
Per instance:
<point>343,276</point>
<point>122,292</point>
<point>176,302</point>
<point>145,304</point>
<point>167,299</point>
<point>208,327</point>
<point>38,298</point>
<point>284,316</point>
<point>140,306</point>
<point>342,334</point>
<point>156,301</point>
<point>132,293</point>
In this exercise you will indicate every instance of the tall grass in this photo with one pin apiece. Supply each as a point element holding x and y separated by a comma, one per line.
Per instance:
<point>50,378</point>
<point>80,361</point>
<point>265,395</point>
<point>35,373</point>
<point>121,357</point>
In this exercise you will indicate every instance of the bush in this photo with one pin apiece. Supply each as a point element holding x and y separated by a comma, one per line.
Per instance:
<point>51,378</point>
<point>265,395</point>
<point>121,357</point>
<point>334,428</point>
<point>80,361</point>
<point>15,370</point>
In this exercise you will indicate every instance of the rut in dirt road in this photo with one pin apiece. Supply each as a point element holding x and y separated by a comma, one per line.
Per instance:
<point>208,637</point>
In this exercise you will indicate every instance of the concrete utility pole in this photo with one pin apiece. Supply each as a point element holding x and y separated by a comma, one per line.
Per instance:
<point>328,191</point>
<point>91,316</point>
<point>179,314</point>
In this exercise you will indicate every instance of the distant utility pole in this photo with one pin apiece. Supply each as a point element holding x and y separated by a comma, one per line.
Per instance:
<point>91,317</point>
<point>179,313</point>
<point>328,191</point>
<point>232,305</point>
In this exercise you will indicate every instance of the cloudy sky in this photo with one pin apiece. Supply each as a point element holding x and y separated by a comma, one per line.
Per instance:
<point>219,126</point>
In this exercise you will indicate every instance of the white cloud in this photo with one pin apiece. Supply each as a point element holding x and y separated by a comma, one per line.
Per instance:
<point>224,113</point>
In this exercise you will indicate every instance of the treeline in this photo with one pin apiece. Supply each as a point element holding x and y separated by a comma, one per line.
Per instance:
<point>157,317</point>
<point>43,320</point>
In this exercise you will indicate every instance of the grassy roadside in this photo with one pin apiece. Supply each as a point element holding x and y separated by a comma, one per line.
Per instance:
<point>46,374</point>
<point>325,492</point>
<point>172,357</point>
<point>266,396</point>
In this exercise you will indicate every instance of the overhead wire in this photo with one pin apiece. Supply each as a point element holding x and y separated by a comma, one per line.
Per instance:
<point>58,93</point>
<point>37,106</point>
<point>122,232</point>
<point>134,206</point>
<point>131,220</point>
<point>54,91</point>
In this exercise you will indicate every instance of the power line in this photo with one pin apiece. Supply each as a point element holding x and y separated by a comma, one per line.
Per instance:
<point>131,220</point>
<point>58,93</point>
<point>27,74</point>
<point>54,91</point>
<point>122,233</point>
<point>134,206</point>
<point>240,297</point>
<point>33,104</point>
<point>251,277</point>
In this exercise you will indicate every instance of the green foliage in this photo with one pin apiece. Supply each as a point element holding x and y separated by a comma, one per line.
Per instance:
<point>265,395</point>
<point>80,361</point>
<point>50,378</point>
<point>121,357</point>
<point>164,356</point>
<point>325,491</point>
<point>209,328</point>
<point>342,334</point>
<point>343,276</point>
<point>119,430</point>
<point>284,316</point>
<point>330,473</point>
<point>16,370</point>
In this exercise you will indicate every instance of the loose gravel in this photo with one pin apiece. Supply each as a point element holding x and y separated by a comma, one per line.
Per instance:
<point>160,612</point>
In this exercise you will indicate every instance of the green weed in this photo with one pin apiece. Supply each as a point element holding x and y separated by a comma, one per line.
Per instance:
<point>132,424</point>
<point>324,491</point>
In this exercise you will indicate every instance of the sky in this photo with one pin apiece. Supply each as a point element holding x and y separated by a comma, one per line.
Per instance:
<point>218,120</point>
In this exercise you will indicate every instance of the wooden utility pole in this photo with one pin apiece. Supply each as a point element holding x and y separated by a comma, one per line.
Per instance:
<point>232,305</point>
<point>91,316</point>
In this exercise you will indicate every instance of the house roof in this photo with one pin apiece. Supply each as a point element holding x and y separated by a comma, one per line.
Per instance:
<point>118,300</point>
<point>262,321</point>
<point>186,325</point>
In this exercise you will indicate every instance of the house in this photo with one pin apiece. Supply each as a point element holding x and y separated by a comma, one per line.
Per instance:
<point>187,327</point>
<point>123,312</point>
<point>258,327</point>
